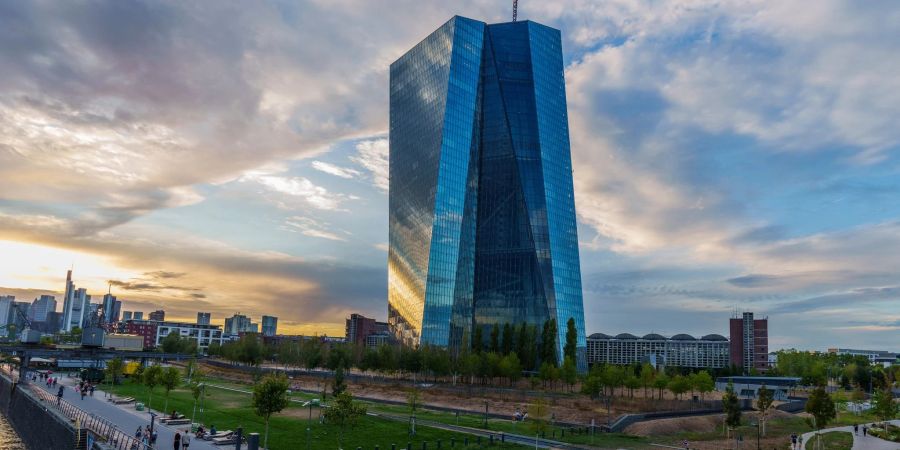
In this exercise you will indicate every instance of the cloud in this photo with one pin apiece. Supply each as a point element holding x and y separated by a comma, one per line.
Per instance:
<point>373,155</point>
<point>337,171</point>
<point>313,228</point>
<point>286,191</point>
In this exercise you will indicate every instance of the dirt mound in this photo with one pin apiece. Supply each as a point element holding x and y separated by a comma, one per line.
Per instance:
<point>695,424</point>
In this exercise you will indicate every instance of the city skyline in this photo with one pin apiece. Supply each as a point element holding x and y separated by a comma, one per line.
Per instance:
<point>725,156</point>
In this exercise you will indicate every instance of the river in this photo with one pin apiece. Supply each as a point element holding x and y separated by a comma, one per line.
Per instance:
<point>9,440</point>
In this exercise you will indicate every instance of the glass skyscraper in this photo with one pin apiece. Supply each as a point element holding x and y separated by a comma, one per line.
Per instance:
<point>482,212</point>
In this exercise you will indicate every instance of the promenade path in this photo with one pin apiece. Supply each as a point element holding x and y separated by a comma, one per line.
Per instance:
<point>859,442</point>
<point>125,417</point>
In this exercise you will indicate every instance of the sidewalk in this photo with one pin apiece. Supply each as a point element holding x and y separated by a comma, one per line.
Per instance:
<point>859,442</point>
<point>125,417</point>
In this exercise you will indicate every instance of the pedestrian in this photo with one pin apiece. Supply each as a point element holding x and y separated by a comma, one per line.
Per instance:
<point>82,393</point>
<point>800,441</point>
<point>59,395</point>
<point>793,440</point>
<point>177,440</point>
<point>856,429</point>
<point>153,437</point>
<point>138,433</point>
<point>186,439</point>
<point>92,390</point>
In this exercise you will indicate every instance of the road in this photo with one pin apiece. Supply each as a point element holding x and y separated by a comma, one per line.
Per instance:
<point>859,441</point>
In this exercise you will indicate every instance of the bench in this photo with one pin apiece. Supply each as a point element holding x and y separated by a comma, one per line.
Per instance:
<point>122,401</point>
<point>220,434</point>
<point>178,422</point>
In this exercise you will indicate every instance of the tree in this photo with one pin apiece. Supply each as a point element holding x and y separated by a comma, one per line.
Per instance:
<point>169,379</point>
<point>495,338</point>
<point>548,343</point>
<point>660,382</point>
<point>569,351</point>
<point>821,407</point>
<point>538,412</point>
<point>412,400</point>
<point>764,400</point>
<point>732,407</point>
<point>338,385</point>
<point>632,382</point>
<point>171,343</point>
<point>151,378</point>
<point>344,411</point>
<point>646,377</point>
<point>269,397</point>
<point>114,369</point>
<point>703,382</point>
<point>548,372</point>
<point>506,343</point>
<point>569,372</point>
<point>679,385</point>
<point>884,407</point>
<point>511,368</point>
<point>477,340</point>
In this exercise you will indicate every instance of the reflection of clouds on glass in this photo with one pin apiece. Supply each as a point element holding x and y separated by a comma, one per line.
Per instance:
<point>373,155</point>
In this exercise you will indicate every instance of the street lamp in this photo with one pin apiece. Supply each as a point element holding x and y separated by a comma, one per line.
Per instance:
<point>756,424</point>
<point>310,403</point>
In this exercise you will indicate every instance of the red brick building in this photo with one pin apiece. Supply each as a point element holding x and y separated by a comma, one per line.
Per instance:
<point>143,328</point>
<point>749,343</point>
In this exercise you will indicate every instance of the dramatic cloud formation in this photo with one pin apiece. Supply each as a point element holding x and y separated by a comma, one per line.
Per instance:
<point>232,158</point>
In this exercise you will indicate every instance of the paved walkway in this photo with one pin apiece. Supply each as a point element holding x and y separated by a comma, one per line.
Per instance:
<point>859,442</point>
<point>125,417</point>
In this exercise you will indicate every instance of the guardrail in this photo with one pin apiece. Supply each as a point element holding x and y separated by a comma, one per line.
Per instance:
<point>105,430</point>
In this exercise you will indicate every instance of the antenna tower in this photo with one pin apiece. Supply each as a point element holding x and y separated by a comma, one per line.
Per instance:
<point>515,9</point>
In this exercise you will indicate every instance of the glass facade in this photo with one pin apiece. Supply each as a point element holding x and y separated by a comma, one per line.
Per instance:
<point>482,212</point>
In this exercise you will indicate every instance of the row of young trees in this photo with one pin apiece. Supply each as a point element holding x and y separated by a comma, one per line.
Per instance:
<point>605,379</point>
<point>850,372</point>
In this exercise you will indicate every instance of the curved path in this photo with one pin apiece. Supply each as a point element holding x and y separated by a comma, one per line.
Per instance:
<point>859,441</point>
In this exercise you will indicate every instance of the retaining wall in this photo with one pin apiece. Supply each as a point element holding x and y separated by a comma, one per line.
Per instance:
<point>38,427</point>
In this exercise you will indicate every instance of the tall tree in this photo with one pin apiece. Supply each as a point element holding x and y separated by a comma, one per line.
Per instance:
<point>539,412</point>
<point>151,378</point>
<point>522,343</point>
<point>477,339</point>
<point>344,411</point>
<point>114,369</point>
<point>732,407</point>
<point>338,385</point>
<point>764,400</point>
<point>169,379</point>
<point>507,341</point>
<point>495,338</point>
<point>821,407</point>
<point>569,351</point>
<point>548,343</point>
<point>884,407</point>
<point>269,397</point>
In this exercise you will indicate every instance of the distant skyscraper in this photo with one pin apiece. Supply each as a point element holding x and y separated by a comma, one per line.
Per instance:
<point>239,323</point>
<point>482,212</point>
<point>42,306</point>
<point>203,318</point>
<point>750,343</point>
<point>127,315</point>
<point>158,315</point>
<point>110,313</point>
<point>6,302</point>
<point>79,309</point>
<point>138,315</point>
<point>269,325</point>
<point>68,299</point>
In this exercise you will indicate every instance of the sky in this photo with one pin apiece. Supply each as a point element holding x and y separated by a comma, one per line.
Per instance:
<point>232,157</point>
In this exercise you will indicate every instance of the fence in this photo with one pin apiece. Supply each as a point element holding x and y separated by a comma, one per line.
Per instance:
<point>105,430</point>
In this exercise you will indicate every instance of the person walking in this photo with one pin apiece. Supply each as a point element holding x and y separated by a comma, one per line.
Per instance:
<point>793,441</point>
<point>177,440</point>
<point>856,429</point>
<point>186,440</point>
<point>59,395</point>
<point>138,433</point>
<point>92,390</point>
<point>865,430</point>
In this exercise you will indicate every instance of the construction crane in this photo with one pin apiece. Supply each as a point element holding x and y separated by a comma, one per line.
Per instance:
<point>27,335</point>
<point>515,9</point>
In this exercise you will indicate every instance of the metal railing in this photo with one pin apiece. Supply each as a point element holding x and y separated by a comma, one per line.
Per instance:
<point>105,430</point>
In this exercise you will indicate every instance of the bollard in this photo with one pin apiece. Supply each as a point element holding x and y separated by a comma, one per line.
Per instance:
<point>439,444</point>
<point>409,446</point>
<point>466,441</point>
<point>393,446</point>
<point>240,438</point>
<point>253,441</point>
<point>452,442</point>
<point>479,441</point>
<point>424,445</point>
<point>357,448</point>
<point>491,439</point>
<point>376,447</point>
<point>502,438</point>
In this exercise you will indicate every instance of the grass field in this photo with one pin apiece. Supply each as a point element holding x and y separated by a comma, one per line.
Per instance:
<point>835,440</point>
<point>228,410</point>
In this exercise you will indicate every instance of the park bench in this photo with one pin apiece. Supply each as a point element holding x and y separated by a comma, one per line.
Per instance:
<point>122,401</point>
<point>170,419</point>
<point>220,434</point>
<point>178,422</point>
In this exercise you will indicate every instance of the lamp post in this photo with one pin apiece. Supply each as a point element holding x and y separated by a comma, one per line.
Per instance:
<point>756,424</point>
<point>310,403</point>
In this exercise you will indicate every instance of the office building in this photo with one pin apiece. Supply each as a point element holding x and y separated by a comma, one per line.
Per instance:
<point>238,324</point>
<point>481,206</point>
<point>138,315</point>
<point>158,315</point>
<point>358,328</point>
<point>17,318</point>
<point>203,318</point>
<point>6,302</point>
<point>111,308</point>
<point>269,326</point>
<point>681,350</point>
<point>748,387</point>
<point>78,309</point>
<point>880,357</point>
<point>749,343</point>
<point>145,328</point>
<point>68,299</point>
<point>40,307</point>
<point>204,335</point>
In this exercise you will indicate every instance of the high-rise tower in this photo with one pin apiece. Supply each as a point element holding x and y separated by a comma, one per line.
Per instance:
<point>482,212</point>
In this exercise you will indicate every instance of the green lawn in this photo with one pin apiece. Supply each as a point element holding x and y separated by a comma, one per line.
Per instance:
<point>229,410</point>
<point>835,440</point>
